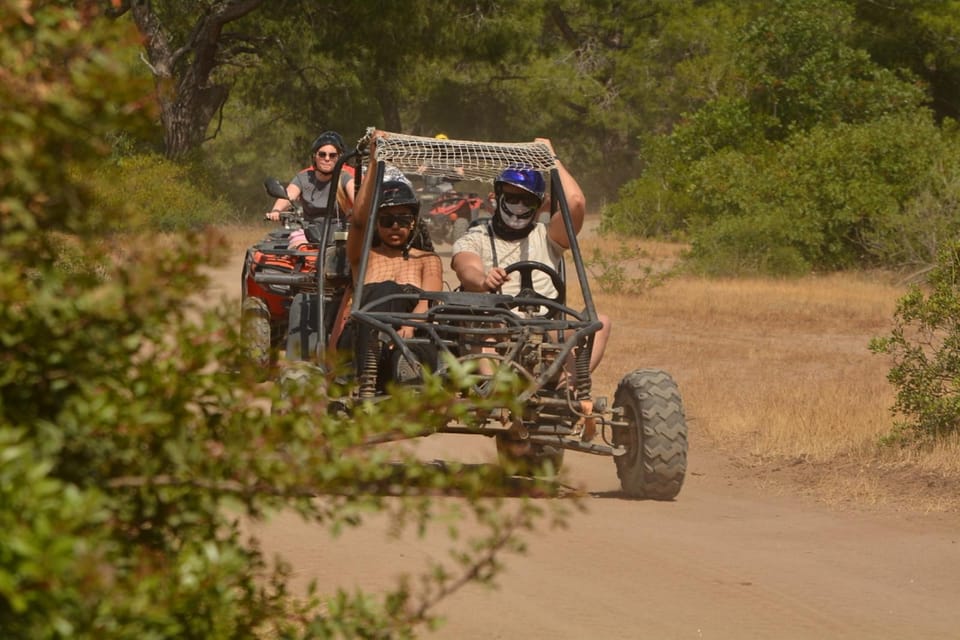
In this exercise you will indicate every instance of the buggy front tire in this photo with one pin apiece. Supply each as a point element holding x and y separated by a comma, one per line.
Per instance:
<point>655,436</point>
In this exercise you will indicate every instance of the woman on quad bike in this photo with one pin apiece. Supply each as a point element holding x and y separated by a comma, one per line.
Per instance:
<point>311,186</point>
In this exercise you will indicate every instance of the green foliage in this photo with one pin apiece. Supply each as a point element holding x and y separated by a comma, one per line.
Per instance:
<point>647,207</point>
<point>804,71</point>
<point>251,146</point>
<point>925,348</point>
<point>823,160</point>
<point>629,271</point>
<point>42,123</point>
<point>919,35</point>
<point>831,198</point>
<point>149,191</point>
<point>134,441</point>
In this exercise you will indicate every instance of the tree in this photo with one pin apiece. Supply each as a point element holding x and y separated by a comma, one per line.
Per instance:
<point>184,52</point>
<point>919,35</point>
<point>133,440</point>
<point>814,158</point>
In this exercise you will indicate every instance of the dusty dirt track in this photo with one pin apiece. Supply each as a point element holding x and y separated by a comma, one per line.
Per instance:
<point>728,559</point>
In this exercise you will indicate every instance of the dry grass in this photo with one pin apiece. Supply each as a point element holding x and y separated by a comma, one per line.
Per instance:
<point>776,374</point>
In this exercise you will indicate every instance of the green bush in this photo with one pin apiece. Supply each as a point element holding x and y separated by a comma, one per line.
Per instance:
<point>629,271</point>
<point>147,191</point>
<point>250,146</point>
<point>817,159</point>
<point>647,207</point>
<point>134,439</point>
<point>833,198</point>
<point>925,348</point>
<point>747,246</point>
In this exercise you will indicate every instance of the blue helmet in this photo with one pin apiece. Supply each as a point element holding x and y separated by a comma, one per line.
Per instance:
<point>524,178</point>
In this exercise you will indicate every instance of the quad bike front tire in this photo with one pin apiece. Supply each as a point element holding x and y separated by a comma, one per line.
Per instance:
<point>255,333</point>
<point>528,459</point>
<point>655,437</point>
<point>302,333</point>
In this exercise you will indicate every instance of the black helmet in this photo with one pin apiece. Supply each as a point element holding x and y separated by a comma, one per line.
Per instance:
<point>395,193</point>
<point>398,192</point>
<point>325,138</point>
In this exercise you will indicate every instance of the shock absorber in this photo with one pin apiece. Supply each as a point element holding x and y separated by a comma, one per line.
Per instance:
<point>367,374</point>
<point>582,365</point>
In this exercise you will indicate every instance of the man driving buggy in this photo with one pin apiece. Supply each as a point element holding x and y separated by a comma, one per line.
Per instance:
<point>513,234</point>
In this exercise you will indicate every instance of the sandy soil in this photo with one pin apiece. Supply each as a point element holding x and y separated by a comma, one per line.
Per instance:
<point>734,556</point>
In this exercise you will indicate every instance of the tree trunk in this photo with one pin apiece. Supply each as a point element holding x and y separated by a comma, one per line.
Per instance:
<point>187,118</point>
<point>188,98</point>
<point>389,105</point>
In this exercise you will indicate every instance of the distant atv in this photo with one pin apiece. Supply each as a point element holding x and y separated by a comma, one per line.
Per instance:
<point>644,431</point>
<point>274,275</point>
<point>451,214</point>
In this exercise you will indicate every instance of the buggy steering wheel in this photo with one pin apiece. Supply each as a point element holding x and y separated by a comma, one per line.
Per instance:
<point>526,269</point>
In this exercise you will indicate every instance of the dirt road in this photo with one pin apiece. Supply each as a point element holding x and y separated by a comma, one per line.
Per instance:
<point>722,561</point>
<point>729,559</point>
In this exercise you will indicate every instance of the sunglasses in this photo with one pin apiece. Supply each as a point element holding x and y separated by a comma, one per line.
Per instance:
<point>387,220</point>
<point>526,199</point>
<point>323,155</point>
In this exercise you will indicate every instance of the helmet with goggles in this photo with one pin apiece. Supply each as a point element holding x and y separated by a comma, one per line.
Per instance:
<point>400,193</point>
<point>517,209</point>
<point>527,179</point>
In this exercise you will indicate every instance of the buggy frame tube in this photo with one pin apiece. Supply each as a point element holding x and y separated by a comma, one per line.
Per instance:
<point>368,235</point>
<point>574,244</point>
<point>322,254</point>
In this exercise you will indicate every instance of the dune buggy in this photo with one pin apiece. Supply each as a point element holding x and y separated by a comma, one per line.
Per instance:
<point>536,338</point>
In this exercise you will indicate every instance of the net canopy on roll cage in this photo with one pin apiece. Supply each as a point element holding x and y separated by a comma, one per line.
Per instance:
<point>469,159</point>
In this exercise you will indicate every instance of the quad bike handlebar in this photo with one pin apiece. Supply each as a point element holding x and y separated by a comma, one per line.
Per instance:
<point>291,218</point>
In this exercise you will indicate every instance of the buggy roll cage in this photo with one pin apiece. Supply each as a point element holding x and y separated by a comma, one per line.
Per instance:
<point>456,320</point>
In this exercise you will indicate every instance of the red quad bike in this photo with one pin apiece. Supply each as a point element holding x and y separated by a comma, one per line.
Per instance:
<point>275,275</point>
<point>451,214</point>
<point>546,341</point>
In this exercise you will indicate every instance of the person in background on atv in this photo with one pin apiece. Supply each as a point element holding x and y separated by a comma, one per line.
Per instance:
<point>395,261</point>
<point>312,185</point>
<point>513,234</point>
<point>440,184</point>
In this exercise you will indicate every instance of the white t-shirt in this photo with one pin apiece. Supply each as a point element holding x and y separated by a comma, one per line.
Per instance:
<point>537,246</point>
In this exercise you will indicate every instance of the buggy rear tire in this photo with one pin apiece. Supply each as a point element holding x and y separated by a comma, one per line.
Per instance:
<point>655,437</point>
<point>255,334</point>
<point>528,458</point>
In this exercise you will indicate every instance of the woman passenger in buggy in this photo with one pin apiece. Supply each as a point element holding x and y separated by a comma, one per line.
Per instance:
<point>401,258</point>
